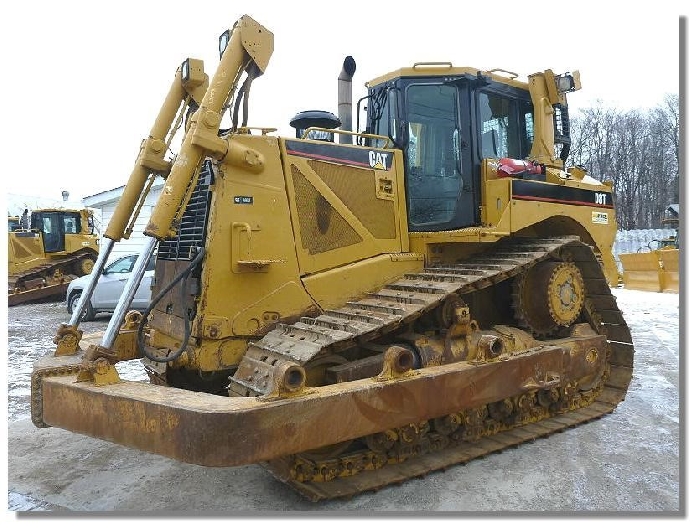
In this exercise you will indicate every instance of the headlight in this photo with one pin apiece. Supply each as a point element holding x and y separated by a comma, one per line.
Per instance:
<point>315,134</point>
<point>565,83</point>
<point>568,82</point>
<point>223,42</point>
<point>185,70</point>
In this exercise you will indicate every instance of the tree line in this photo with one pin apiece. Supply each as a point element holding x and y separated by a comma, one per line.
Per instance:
<point>638,150</point>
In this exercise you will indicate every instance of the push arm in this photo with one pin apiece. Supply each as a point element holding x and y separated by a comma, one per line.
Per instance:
<point>248,50</point>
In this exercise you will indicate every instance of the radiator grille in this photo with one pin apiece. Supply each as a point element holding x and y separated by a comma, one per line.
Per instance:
<point>356,188</point>
<point>192,231</point>
<point>322,228</point>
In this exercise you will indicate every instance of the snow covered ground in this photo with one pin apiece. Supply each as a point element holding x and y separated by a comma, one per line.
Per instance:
<point>30,332</point>
<point>628,461</point>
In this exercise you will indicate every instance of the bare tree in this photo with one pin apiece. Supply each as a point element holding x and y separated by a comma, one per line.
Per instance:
<point>638,150</point>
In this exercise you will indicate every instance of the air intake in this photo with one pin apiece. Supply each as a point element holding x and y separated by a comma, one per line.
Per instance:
<point>192,231</point>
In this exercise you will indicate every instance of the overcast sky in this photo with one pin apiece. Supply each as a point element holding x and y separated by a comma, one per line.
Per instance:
<point>83,81</point>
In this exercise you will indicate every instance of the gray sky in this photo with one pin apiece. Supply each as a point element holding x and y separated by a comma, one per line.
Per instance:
<point>86,79</point>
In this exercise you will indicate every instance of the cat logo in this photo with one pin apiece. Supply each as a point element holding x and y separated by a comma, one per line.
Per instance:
<point>377,160</point>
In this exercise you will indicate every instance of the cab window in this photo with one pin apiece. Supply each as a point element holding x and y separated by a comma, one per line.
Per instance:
<point>506,126</point>
<point>383,115</point>
<point>71,224</point>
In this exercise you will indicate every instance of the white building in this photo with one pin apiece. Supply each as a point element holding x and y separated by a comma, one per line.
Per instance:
<point>104,203</point>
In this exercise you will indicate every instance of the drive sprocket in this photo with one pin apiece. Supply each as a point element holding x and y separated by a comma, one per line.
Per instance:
<point>548,297</point>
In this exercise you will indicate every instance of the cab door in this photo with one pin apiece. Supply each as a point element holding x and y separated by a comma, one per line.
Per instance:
<point>51,225</point>
<point>441,188</point>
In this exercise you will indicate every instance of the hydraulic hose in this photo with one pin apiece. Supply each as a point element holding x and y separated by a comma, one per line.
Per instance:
<point>180,277</point>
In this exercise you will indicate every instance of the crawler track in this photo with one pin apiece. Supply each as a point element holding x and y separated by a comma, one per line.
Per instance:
<point>27,286</point>
<point>313,340</point>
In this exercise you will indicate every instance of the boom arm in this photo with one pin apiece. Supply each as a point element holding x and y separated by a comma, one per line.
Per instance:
<point>151,157</point>
<point>150,161</point>
<point>249,49</point>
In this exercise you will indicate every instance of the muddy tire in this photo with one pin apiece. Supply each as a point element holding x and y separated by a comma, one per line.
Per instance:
<point>88,313</point>
<point>85,266</point>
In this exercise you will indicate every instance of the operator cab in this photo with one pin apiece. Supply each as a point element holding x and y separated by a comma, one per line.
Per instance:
<point>447,121</point>
<point>54,225</point>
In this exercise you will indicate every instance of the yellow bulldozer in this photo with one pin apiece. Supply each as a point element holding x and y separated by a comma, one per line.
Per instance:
<point>655,267</point>
<point>352,307</point>
<point>55,247</point>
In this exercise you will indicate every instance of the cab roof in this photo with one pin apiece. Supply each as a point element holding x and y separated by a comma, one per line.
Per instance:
<point>445,69</point>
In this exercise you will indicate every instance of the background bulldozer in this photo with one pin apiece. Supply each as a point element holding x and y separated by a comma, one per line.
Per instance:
<point>58,246</point>
<point>656,267</point>
<point>354,308</point>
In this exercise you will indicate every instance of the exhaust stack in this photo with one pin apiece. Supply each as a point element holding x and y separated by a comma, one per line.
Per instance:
<point>345,98</point>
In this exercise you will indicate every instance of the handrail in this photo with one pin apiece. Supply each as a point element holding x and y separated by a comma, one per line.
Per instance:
<point>424,64</point>
<point>386,139</point>
<point>513,75</point>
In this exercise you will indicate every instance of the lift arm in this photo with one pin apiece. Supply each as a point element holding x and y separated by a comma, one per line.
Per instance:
<point>248,50</point>
<point>151,158</point>
<point>188,88</point>
<point>149,163</point>
<point>248,47</point>
<point>547,92</point>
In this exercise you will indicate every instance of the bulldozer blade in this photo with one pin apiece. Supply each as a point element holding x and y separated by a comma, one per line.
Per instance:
<point>36,294</point>
<point>213,430</point>
<point>641,271</point>
<point>670,282</point>
<point>655,271</point>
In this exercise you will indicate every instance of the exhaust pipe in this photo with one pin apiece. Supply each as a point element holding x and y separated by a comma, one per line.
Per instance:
<point>345,98</point>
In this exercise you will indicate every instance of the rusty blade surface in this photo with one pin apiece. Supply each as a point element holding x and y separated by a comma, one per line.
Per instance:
<point>227,431</point>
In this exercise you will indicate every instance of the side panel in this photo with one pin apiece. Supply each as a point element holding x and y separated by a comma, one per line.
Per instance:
<point>255,262</point>
<point>249,278</point>
<point>333,288</point>
<point>568,209</point>
<point>346,202</point>
<point>25,250</point>
<point>541,208</point>
<point>76,243</point>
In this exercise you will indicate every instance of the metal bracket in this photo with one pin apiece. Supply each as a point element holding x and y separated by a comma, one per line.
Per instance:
<point>67,340</point>
<point>98,366</point>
